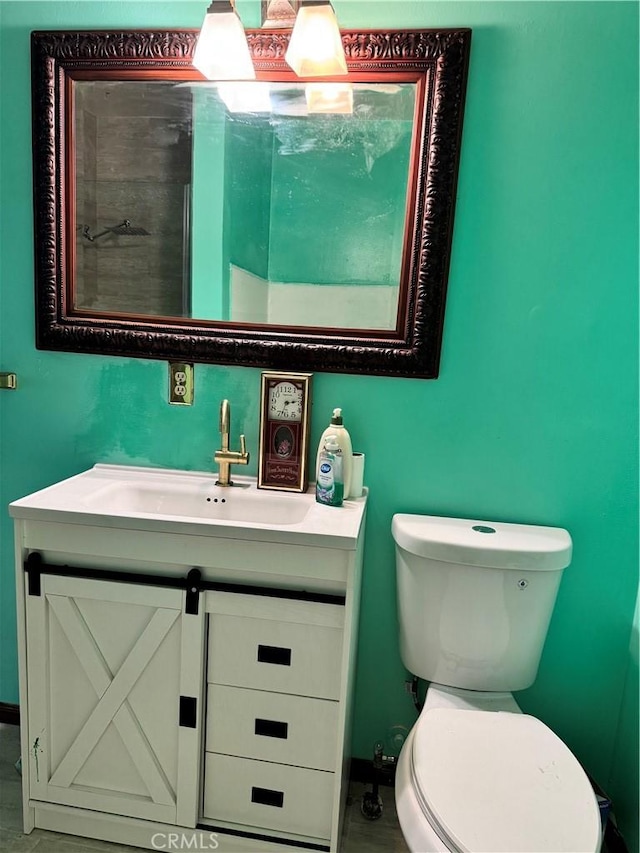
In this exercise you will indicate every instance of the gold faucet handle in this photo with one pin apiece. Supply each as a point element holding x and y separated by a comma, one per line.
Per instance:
<point>243,447</point>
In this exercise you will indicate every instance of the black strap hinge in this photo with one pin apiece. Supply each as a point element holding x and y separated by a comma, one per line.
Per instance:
<point>194,586</point>
<point>33,567</point>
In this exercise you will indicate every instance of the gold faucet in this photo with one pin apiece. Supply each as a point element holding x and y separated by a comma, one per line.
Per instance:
<point>225,457</point>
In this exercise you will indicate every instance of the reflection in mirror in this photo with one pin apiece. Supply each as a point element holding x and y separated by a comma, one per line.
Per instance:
<point>288,224</point>
<point>243,204</point>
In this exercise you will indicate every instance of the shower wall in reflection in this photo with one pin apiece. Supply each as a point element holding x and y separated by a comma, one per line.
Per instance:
<point>133,166</point>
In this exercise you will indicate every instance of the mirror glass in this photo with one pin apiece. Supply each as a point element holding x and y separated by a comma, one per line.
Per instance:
<point>284,223</point>
<point>235,202</point>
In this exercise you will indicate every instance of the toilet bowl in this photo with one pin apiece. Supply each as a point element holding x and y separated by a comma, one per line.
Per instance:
<point>476,775</point>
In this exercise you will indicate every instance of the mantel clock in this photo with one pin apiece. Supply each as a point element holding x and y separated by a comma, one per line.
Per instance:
<point>285,415</point>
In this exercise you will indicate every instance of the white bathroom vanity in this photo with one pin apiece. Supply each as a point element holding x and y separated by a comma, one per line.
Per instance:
<point>187,657</point>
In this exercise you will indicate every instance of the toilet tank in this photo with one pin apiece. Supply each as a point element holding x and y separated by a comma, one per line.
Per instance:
<point>475,598</point>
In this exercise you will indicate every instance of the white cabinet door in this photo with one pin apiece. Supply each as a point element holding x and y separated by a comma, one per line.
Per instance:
<point>108,665</point>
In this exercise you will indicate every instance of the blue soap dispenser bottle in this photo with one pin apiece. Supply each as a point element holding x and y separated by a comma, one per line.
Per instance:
<point>338,430</point>
<point>329,477</point>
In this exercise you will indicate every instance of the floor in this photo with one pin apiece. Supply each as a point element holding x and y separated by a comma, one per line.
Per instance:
<point>360,835</point>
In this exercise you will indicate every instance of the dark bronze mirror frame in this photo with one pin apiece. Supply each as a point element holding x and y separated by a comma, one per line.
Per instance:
<point>436,59</point>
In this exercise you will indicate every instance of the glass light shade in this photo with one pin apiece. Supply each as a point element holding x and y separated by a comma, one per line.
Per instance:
<point>251,97</point>
<point>315,48</point>
<point>222,52</point>
<point>329,97</point>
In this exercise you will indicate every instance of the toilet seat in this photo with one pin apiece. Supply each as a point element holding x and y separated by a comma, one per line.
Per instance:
<point>501,782</point>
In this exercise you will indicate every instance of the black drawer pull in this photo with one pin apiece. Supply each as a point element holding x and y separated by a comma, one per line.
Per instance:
<point>272,728</point>
<point>274,654</point>
<point>267,797</point>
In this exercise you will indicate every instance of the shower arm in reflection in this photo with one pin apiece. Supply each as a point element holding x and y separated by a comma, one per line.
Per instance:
<point>124,229</point>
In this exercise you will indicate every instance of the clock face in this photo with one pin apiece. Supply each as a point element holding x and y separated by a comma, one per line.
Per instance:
<point>285,402</point>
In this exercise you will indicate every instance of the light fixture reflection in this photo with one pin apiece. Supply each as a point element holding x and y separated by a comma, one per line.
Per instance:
<point>329,97</point>
<point>246,97</point>
<point>315,48</point>
<point>222,52</point>
<point>280,14</point>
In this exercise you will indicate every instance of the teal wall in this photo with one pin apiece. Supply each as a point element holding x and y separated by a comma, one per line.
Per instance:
<point>332,188</point>
<point>534,416</point>
<point>209,254</point>
<point>279,199</point>
<point>623,779</point>
<point>249,168</point>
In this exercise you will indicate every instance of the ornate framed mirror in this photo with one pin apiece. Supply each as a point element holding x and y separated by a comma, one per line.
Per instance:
<point>288,224</point>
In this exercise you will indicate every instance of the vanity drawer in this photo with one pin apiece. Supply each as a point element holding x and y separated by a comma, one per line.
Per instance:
<point>276,645</point>
<point>272,727</point>
<point>268,796</point>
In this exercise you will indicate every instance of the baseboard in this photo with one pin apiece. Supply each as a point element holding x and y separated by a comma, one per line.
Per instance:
<point>362,771</point>
<point>613,840</point>
<point>9,714</point>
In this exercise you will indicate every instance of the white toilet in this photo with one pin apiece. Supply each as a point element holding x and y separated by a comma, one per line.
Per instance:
<point>476,775</point>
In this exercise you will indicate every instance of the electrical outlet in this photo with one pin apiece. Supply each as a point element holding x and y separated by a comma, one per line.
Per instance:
<point>180,384</point>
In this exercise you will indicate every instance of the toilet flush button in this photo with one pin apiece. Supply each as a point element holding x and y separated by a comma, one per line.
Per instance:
<point>483,528</point>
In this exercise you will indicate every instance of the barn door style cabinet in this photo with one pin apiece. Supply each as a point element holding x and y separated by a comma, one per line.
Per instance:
<point>187,675</point>
<point>108,663</point>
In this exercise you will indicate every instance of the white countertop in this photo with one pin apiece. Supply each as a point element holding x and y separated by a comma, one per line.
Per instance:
<point>189,502</point>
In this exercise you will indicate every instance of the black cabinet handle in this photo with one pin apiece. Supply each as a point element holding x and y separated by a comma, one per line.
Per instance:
<point>266,797</point>
<point>271,728</point>
<point>188,712</point>
<point>274,654</point>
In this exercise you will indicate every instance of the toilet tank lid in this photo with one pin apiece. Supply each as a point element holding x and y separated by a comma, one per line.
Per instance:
<point>490,544</point>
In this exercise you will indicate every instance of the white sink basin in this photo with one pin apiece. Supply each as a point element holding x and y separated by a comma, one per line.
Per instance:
<point>188,502</point>
<point>196,498</point>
